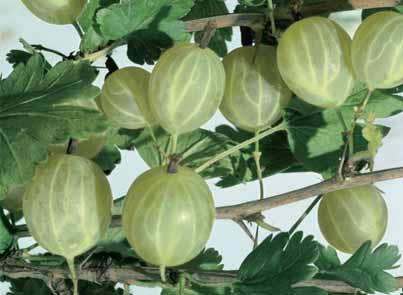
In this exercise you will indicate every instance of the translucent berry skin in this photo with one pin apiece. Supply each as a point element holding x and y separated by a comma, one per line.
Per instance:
<point>186,87</point>
<point>255,93</point>
<point>350,217</point>
<point>168,218</point>
<point>125,100</point>
<point>88,147</point>
<point>314,60</point>
<point>58,12</point>
<point>67,205</point>
<point>377,50</point>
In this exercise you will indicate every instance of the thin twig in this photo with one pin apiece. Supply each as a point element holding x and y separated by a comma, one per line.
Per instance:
<point>78,29</point>
<point>242,145</point>
<point>208,34</point>
<point>43,48</point>
<point>305,214</point>
<point>244,227</point>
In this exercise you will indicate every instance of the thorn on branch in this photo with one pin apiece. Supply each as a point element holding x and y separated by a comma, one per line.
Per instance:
<point>208,34</point>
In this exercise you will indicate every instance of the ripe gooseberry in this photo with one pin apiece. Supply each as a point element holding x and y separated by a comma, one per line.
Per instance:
<point>67,206</point>
<point>88,147</point>
<point>124,98</point>
<point>58,12</point>
<point>168,217</point>
<point>350,217</point>
<point>186,87</point>
<point>314,60</point>
<point>376,51</point>
<point>255,93</point>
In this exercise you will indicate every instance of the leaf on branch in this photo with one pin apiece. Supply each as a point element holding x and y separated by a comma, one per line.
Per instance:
<point>121,19</point>
<point>277,264</point>
<point>30,118</point>
<point>27,287</point>
<point>6,238</point>
<point>208,260</point>
<point>365,270</point>
<point>93,38</point>
<point>373,135</point>
<point>146,46</point>
<point>207,8</point>
<point>317,140</point>
<point>276,156</point>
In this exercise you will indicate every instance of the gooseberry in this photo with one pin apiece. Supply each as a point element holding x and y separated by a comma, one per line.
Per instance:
<point>350,217</point>
<point>255,93</point>
<point>186,87</point>
<point>314,60</point>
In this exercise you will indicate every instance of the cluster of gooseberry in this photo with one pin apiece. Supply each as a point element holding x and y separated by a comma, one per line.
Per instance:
<point>169,211</point>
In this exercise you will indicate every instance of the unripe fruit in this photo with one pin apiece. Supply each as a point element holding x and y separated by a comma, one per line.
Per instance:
<point>67,205</point>
<point>255,93</point>
<point>350,217</point>
<point>377,51</point>
<point>186,87</point>
<point>314,60</point>
<point>89,147</point>
<point>58,12</point>
<point>124,98</point>
<point>168,217</point>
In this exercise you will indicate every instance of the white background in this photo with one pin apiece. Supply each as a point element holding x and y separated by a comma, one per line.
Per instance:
<point>16,22</point>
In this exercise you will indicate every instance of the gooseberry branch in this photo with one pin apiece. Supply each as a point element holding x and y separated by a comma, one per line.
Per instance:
<point>282,13</point>
<point>147,276</point>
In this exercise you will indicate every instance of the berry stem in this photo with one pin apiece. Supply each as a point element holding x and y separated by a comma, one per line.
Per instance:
<point>74,278</point>
<point>280,127</point>
<point>163,270</point>
<point>305,214</point>
<point>271,16</point>
<point>257,155</point>
<point>78,29</point>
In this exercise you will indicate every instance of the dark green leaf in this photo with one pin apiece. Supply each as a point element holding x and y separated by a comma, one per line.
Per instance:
<point>278,263</point>
<point>209,259</point>
<point>146,46</point>
<point>207,8</point>
<point>110,156</point>
<point>366,269</point>
<point>88,288</point>
<point>328,258</point>
<point>28,287</point>
<point>198,290</point>
<point>6,238</point>
<point>31,119</point>
<point>367,12</point>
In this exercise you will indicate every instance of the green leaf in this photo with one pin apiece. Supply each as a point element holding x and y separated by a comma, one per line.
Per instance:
<point>209,259</point>
<point>207,8</point>
<point>93,38</point>
<point>89,288</point>
<point>109,156</point>
<point>278,263</point>
<point>196,148</point>
<point>373,135</point>
<point>276,157</point>
<point>146,46</point>
<point>366,268</point>
<point>30,118</point>
<point>317,139</point>
<point>328,258</point>
<point>382,103</point>
<point>6,238</point>
<point>28,287</point>
<point>368,12</point>
<point>121,19</point>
